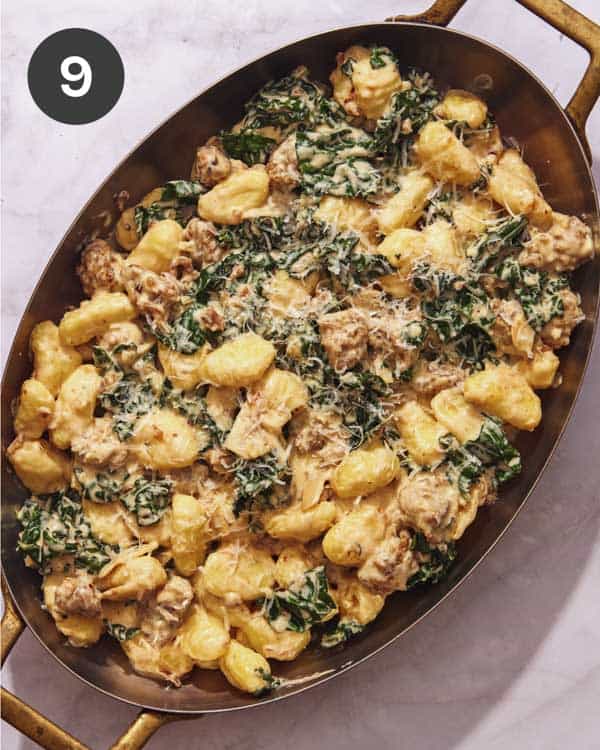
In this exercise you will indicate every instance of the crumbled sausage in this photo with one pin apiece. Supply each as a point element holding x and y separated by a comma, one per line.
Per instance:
<point>344,336</point>
<point>200,238</point>
<point>99,445</point>
<point>564,246</point>
<point>429,503</point>
<point>510,331</point>
<point>211,319</point>
<point>100,268</point>
<point>434,376</point>
<point>211,165</point>
<point>557,332</point>
<point>77,595</point>
<point>282,166</point>
<point>154,295</point>
<point>390,565</point>
<point>321,433</point>
<point>166,611</point>
<point>182,268</point>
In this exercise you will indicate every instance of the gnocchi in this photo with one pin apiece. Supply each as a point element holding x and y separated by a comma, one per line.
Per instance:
<point>294,377</point>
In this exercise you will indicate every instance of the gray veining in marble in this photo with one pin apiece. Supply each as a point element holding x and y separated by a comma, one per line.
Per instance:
<point>513,659</point>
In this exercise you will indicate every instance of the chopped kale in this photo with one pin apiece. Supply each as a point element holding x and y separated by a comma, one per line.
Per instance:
<point>537,291</point>
<point>148,499</point>
<point>306,603</point>
<point>343,631</point>
<point>271,683</point>
<point>103,488</point>
<point>290,101</point>
<point>127,399</point>
<point>458,312</point>
<point>491,449</point>
<point>506,235</point>
<point>336,162</point>
<point>120,632</point>
<point>184,334</point>
<point>381,56</point>
<point>260,483</point>
<point>409,111</point>
<point>249,146</point>
<point>435,561</point>
<point>182,191</point>
<point>55,525</point>
<point>145,216</point>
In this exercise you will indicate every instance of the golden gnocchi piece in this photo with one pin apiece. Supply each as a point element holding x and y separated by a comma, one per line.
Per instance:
<point>158,247</point>
<point>365,470</point>
<point>539,371</point>
<point>131,578</point>
<point>368,89</point>
<point>262,638</point>
<point>402,248</point>
<point>295,523</point>
<point>406,206</point>
<point>75,405</point>
<point>245,669</point>
<point>173,662</point>
<point>292,563</point>
<point>353,214</point>
<point>108,523</point>
<point>473,214</point>
<point>35,409</point>
<point>354,600</point>
<point>421,433</point>
<point>41,468</point>
<point>442,246</point>
<point>247,438</point>
<point>443,156</point>
<point>280,394</point>
<point>94,316</point>
<point>164,440</point>
<point>188,533</point>
<point>203,637</point>
<point>222,404</point>
<point>239,362</point>
<point>81,631</point>
<point>513,185</point>
<point>237,572</point>
<point>183,370</point>
<point>462,106</point>
<point>286,294</point>
<point>456,414</point>
<point>53,360</point>
<point>505,393</point>
<point>352,539</point>
<point>229,201</point>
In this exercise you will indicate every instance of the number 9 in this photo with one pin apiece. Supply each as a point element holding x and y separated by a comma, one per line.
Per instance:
<point>84,74</point>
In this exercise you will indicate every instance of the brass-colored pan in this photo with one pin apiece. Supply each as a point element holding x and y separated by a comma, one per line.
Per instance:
<point>555,146</point>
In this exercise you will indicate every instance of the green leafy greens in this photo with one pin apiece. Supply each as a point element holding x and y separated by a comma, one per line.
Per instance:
<point>55,525</point>
<point>306,603</point>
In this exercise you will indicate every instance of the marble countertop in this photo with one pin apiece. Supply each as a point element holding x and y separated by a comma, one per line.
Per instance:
<point>513,659</point>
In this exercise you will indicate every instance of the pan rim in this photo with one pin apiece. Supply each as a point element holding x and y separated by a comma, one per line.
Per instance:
<point>320,679</point>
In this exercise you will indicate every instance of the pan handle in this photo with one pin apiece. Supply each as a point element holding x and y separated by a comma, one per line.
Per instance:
<point>565,19</point>
<point>40,729</point>
<point>144,726</point>
<point>12,624</point>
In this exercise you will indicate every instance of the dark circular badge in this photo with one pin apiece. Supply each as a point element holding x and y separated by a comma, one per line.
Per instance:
<point>76,76</point>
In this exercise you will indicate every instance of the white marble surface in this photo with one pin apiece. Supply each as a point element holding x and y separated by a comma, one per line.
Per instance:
<point>511,661</point>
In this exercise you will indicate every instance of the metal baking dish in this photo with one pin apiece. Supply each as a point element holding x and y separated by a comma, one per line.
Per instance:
<point>555,146</point>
